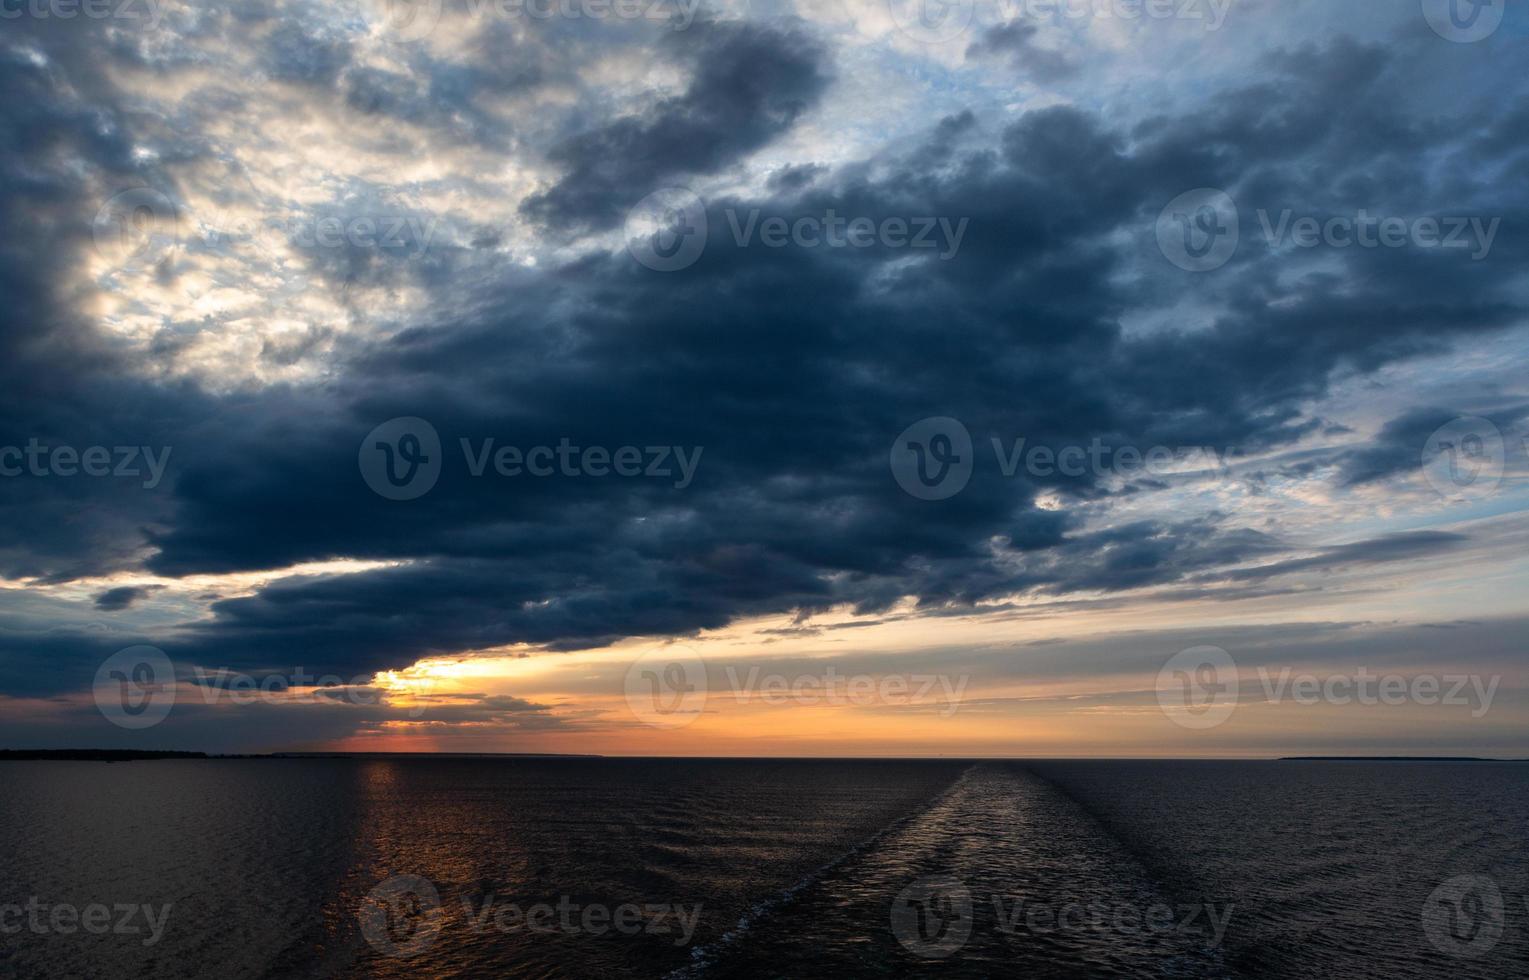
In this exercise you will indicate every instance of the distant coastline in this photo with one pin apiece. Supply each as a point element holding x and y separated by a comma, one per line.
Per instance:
<point>92,755</point>
<point>1392,758</point>
<point>149,755</point>
<point>136,755</point>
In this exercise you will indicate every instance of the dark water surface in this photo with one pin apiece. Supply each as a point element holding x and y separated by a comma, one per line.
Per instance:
<point>753,869</point>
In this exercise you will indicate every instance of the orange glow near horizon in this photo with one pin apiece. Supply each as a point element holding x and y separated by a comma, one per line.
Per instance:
<point>583,703</point>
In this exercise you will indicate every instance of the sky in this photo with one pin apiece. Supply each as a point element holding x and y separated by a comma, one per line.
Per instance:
<point>765,377</point>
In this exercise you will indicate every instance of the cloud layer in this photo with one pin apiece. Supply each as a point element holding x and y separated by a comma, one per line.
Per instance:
<point>277,331</point>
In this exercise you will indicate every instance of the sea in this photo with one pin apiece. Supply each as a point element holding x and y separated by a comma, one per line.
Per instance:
<point>690,868</point>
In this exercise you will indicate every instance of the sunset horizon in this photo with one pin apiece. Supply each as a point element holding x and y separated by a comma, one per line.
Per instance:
<point>746,489</point>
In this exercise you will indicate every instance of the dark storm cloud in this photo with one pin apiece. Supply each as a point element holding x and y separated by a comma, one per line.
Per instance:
<point>456,100</point>
<point>1489,645</point>
<point>1401,442</point>
<point>113,600</point>
<point>45,660</point>
<point>219,724</point>
<point>794,368</point>
<point>1375,551</point>
<point>748,86</point>
<point>1015,41</point>
<point>68,142</point>
<point>293,54</point>
<point>795,178</point>
<point>365,237</point>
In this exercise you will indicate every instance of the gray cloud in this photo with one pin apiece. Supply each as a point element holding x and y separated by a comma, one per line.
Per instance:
<point>793,368</point>
<point>749,84</point>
